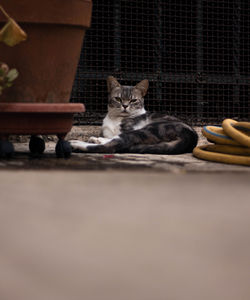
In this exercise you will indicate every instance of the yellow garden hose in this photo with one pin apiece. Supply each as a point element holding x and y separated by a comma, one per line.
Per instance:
<point>234,130</point>
<point>232,143</point>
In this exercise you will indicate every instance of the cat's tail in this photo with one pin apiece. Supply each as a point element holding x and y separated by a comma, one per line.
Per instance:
<point>178,146</point>
<point>184,140</point>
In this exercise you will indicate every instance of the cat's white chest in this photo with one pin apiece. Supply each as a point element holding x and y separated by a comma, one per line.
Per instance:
<point>111,127</point>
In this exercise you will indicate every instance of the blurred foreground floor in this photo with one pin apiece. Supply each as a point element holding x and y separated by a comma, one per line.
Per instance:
<point>110,235</point>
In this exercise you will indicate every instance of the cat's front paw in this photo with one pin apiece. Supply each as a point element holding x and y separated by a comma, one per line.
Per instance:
<point>79,145</point>
<point>98,140</point>
<point>94,140</point>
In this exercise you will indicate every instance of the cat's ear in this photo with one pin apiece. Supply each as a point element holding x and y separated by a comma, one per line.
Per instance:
<point>143,86</point>
<point>112,83</point>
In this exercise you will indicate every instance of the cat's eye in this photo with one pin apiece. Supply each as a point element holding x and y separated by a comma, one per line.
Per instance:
<point>133,100</point>
<point>118,99</point>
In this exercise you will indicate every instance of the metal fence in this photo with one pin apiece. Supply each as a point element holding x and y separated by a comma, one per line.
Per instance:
<point>195,53</point>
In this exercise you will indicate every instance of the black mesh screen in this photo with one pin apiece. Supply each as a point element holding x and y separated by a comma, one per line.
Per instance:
<point>196,55</point>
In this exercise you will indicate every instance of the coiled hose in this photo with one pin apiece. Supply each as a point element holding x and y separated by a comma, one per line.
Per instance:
<point>231,143</point>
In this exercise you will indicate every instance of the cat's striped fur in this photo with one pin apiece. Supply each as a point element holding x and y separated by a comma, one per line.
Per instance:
<point>128,128</point>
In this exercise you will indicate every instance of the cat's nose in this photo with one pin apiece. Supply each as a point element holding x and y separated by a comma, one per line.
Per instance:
<point>125,106</point>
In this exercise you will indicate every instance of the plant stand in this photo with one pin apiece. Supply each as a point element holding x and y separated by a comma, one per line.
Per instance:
<point>37,119</point>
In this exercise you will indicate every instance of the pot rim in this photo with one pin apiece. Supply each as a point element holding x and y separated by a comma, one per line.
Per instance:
<point>42,108</point>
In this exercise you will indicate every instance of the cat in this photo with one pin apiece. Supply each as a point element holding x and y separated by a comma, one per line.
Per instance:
<point>128,128</point>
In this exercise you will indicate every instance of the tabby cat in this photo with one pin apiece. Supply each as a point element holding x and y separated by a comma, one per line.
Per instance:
<point>128,128</point>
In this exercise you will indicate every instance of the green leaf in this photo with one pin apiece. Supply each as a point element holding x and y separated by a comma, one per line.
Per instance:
<point>11,33</point>
<point>12,75</point>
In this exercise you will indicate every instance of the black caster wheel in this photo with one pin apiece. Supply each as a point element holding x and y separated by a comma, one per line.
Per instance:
<point>36,145</point>
<point>63,149</point>
<point>6,149</point>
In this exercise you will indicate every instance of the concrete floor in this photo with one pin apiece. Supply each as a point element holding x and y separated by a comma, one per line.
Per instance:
<point>123,227</point>
<point>121,235</point>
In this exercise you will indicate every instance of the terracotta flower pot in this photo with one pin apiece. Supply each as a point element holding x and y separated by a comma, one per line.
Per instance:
<point>47,61</point>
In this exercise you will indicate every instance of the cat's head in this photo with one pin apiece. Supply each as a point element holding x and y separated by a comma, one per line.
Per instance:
<point>126,100</point>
